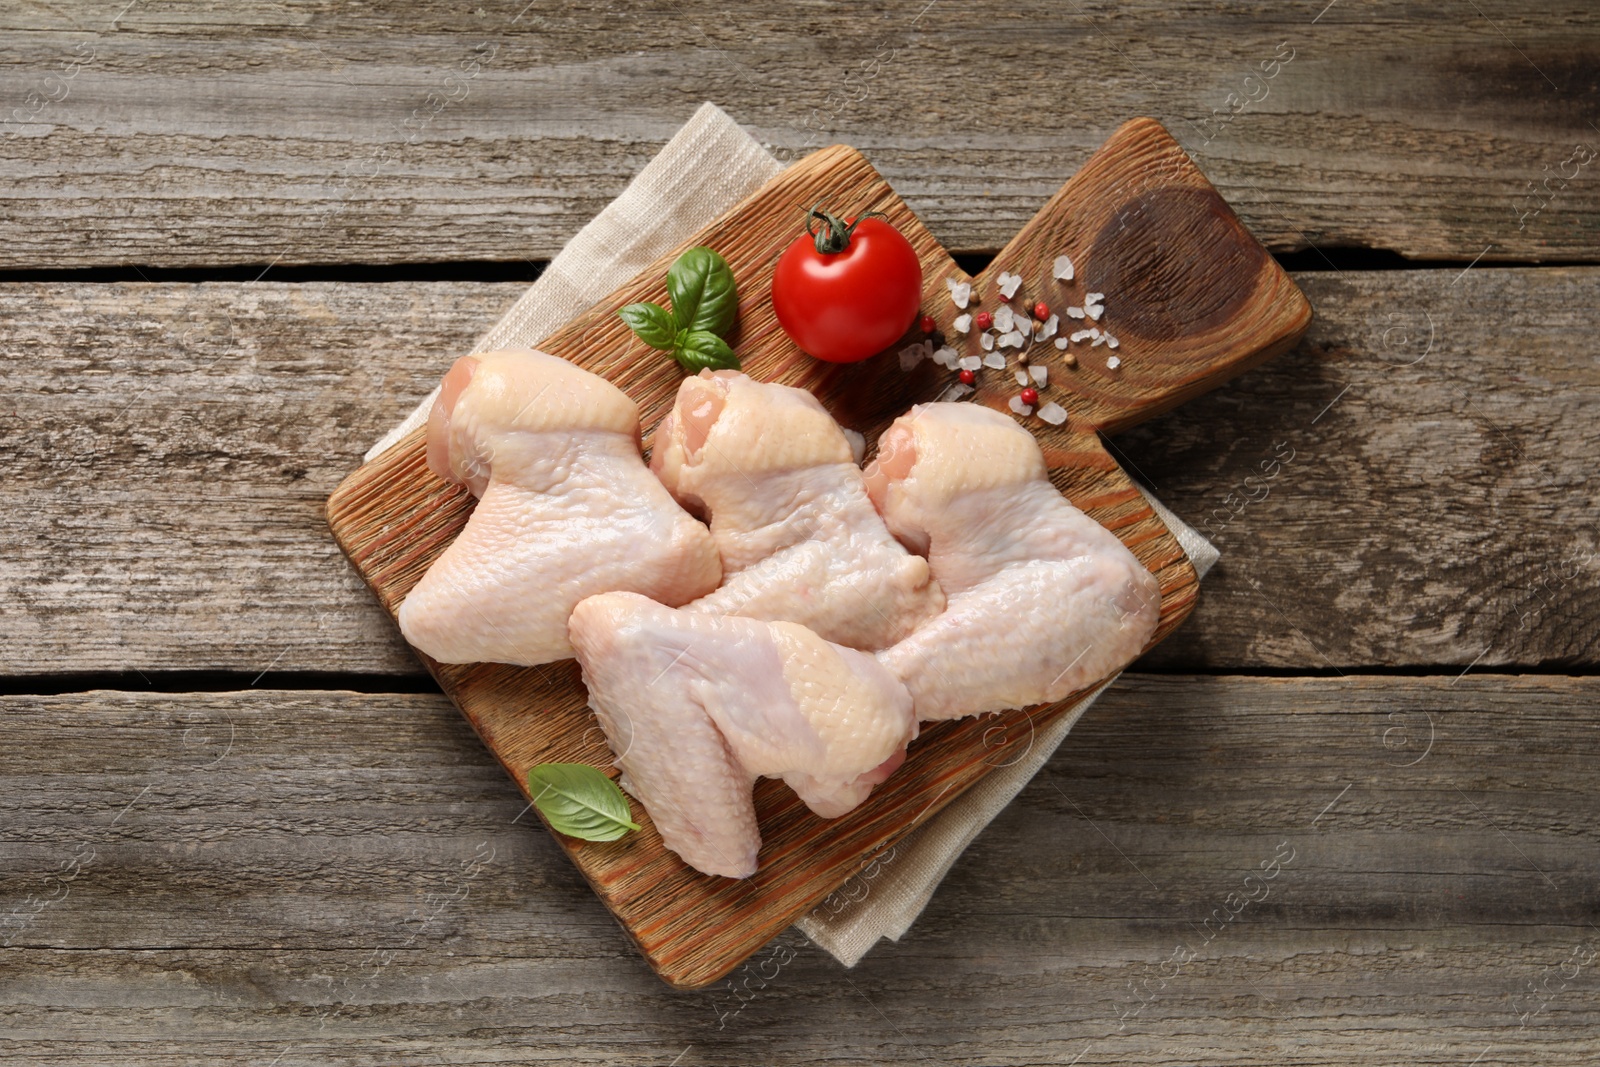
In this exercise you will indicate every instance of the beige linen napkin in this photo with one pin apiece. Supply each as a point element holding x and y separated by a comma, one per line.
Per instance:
<point>708,166</point>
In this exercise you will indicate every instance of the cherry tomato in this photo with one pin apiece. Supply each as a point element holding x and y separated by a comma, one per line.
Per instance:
<point>847,288</point>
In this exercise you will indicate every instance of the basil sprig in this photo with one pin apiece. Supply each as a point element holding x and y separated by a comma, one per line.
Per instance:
<point>704,306</point>
<point>580,801</point>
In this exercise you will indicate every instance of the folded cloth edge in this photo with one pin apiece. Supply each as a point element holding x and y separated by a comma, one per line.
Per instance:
<point>709,165</point>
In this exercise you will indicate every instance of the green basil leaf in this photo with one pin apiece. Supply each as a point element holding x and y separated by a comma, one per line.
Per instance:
<point>580,801</point>
<point>700,349</point>
<point>652,322</point>
<point>702,291</point>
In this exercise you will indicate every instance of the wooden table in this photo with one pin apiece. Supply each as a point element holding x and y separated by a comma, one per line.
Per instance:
<point>239,825</point>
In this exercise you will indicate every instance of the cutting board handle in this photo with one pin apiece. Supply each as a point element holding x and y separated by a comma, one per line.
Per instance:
<point>1190,295</point>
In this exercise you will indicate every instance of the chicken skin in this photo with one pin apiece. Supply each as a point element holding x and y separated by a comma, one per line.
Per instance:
<point>800,540</point>
<point>698,706</point>
<point>1042,600</point>
<point>567,508</point>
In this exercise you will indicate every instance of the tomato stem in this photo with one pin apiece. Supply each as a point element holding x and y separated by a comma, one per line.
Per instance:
<point>834,236</point>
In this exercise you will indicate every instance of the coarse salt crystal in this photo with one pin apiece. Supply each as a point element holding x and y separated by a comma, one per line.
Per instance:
<point>971,362</point>
<point>1094,311</point>
<point>956,391</point>
<point>1061,342</point>
<point>945,357</point>
<point>1053,413</point>
<point>986,340</point>
<point>1094,298</point>
<point>1075,313</point>
<point>1022,376</point>
<point>1003,317</point>
<point>1084,335</point>
<point>1099,339</point>
<point>1040,375</point>
<point>1062,268</point>
<point>960,292</point>
<point>1024,325</point>
<point>1047,328</point>
<point>913,354</point>
<point>1112,342</point>
<point>997,360</point>
<point>1009,283</point>
<point>1113,362</point>
<point>1010,340</point>
<point>962,323</point>
<point>1019,407</point>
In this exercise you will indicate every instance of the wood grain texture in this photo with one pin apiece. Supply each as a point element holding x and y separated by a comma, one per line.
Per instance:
<point>166,451</point>
<point>334,878</point>
<point>316,133</point>
<point>1137,202</point>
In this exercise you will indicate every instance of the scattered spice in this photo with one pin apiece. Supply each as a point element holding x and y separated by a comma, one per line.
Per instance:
<point>913,354</point>
<point>927,324</point>
<point>960,292</point>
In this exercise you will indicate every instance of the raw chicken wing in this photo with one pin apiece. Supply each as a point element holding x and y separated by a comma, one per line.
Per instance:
<point>1043,600</point>
<point>698,706</point>
<point>566,509</point>
<point>799,538</point>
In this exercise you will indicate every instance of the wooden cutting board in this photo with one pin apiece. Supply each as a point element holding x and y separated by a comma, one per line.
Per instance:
<point>1193,300</point>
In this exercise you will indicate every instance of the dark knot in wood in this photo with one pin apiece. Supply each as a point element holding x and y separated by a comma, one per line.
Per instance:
<point>1176,262</point>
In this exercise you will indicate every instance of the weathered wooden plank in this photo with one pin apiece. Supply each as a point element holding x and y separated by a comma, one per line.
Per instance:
<point>1414,485</point>
<point>166,452</point>
<point>323,877</point>
<point>311,133</point>
<point>181,442</point>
